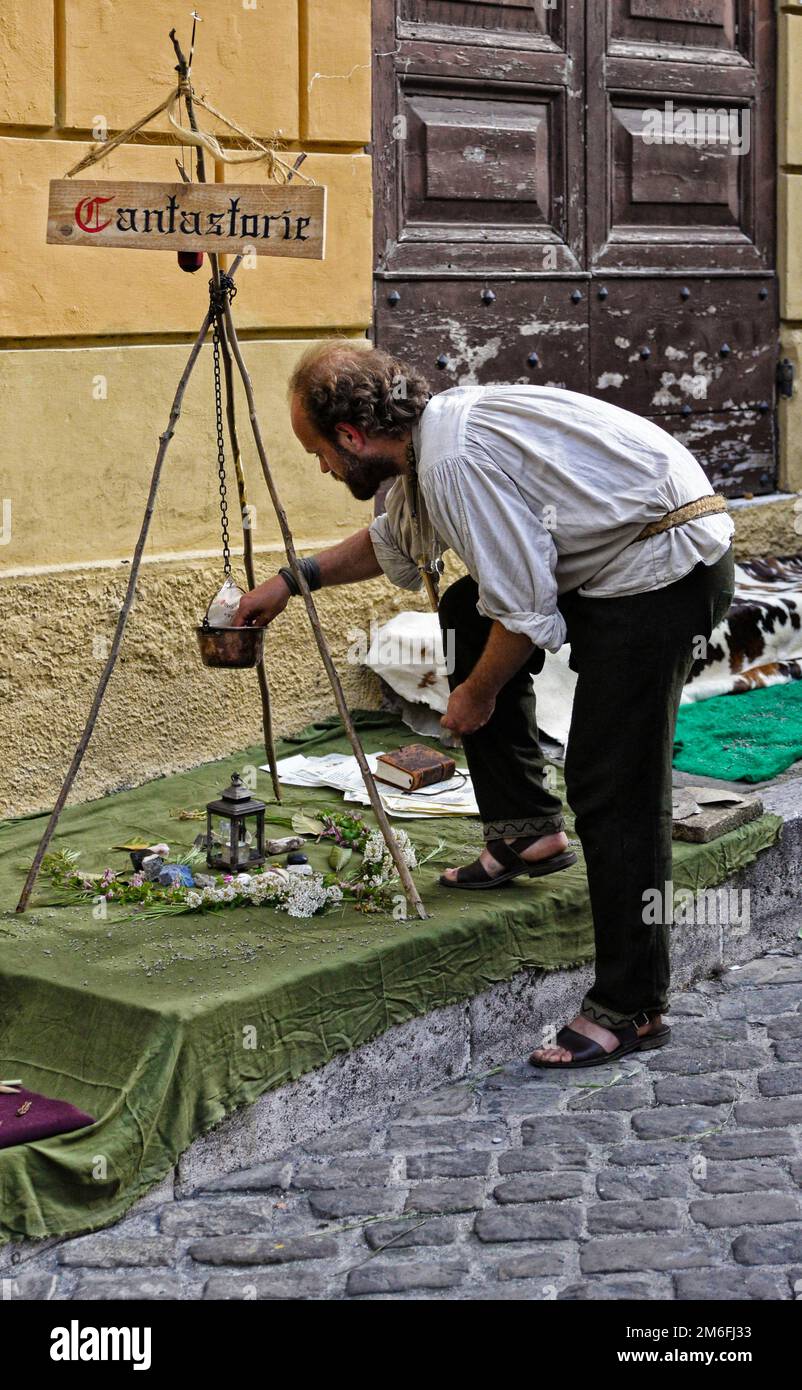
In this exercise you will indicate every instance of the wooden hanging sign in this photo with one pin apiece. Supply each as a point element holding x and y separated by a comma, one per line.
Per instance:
<point>263,219</point>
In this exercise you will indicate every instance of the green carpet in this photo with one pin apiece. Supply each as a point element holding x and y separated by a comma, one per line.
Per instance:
<point>142,1023</point>
<point>741,738</point>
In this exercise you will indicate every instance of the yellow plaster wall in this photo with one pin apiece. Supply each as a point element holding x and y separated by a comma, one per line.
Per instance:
<point>84,461</point>
<point>92,344</point>
<point>26,62</point>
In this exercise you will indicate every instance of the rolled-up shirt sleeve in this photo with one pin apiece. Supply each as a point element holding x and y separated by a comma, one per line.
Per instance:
<point>481,514</point>
<point>387,539</point>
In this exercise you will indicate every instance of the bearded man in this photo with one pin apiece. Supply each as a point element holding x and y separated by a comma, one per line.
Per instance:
<point>576,521</point>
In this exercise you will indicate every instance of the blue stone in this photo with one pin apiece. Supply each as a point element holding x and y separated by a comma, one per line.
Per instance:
<point>173,874</point>
<point>297,858</point>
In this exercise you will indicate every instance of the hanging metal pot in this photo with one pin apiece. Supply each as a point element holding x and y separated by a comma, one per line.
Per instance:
<point>222,645</point>
<point>230,647</point>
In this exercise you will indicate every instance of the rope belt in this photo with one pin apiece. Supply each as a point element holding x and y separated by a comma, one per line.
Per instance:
<point>703,506</point>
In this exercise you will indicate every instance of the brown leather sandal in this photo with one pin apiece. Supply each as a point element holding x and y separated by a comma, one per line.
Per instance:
<point>585,1052</point>
<point>475,875</point>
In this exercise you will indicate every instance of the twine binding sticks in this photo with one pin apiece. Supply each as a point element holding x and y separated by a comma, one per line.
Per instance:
<point>277,168</point>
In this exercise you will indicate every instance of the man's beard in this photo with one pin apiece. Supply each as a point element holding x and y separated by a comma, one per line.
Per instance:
<point>364,476</point>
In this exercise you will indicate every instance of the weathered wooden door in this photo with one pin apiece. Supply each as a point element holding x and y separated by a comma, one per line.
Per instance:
<point>582,194</point>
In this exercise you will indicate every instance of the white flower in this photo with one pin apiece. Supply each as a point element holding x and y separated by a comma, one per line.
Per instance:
<point>194,900</point>
<point>305,896</point>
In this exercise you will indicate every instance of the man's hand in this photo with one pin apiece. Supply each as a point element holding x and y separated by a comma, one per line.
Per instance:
<point>263,604</point>
<point>468,710</point>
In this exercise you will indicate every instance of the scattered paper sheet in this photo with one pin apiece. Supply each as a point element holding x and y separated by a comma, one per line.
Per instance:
<point>341,771</point>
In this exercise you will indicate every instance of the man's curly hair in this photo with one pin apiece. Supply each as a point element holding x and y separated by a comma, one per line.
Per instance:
<point>338,383</point>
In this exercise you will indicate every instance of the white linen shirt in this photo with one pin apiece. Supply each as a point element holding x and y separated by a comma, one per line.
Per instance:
<point>540,490</point>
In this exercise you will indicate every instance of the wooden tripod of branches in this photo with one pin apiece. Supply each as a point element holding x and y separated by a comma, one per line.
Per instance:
<point>220,312</point>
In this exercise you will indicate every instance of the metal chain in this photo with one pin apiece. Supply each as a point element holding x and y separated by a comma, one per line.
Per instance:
<point>221,450</point>
<point>227,291</point>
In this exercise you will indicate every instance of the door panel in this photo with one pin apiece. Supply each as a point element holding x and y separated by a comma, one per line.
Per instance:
<point>705,345</point>
<point>533,332</point>
<point>479,146</point>
<point>584,196</point>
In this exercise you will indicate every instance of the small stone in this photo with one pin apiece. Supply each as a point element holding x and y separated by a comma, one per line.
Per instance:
<point>540,1187</point>
<point>205,881</point>
<point>113,1251</point>
<point>677,1120</point>
<point>161,1288</point>
<point>221,1218</point>
<point>551,1260</point>
<point>289,1284</point>
<point>611,1290</point>
<point>698,1090</point>
<point>297,858</point>
<point>742,1177</point>
<point>345,1140</point>
<point>768,1247</point>
<point>339,1202</point>
<point>760,1002</point>
<point>780,1081</point>
<point>747,1209</point>
<point>610,1218</point>
<point>449,1135</point>
<point>689,1006</point>
<point>644,1253</point>
<point>450,1101</point>
<point>284,845</point>
<point>535,1160</point>
<point>528,1223</point>
<point>262,1250</point>
<point>770,1112</point>
<point>766,970</point>
<point>789,1051</point>
<point>404,1235</point>
<point>610,1098</point>
<point>614,1186</point>
<point>445,1197</point>
<point>702,1060</point>
<point>176,875</point>
<point>445,1165</point>
<point>704,1031</point>
<point>563,1129</point>
<point>737,1144</point>
<point>644,1155</point>
<point>729,1285</point>
<point>362,1172</point>
<point>398,1277</point>
<point>299,869</point>
<point>152,866</point>
<point>267,1177</point>
<point>785,1028</point>
<point>40,1288</point>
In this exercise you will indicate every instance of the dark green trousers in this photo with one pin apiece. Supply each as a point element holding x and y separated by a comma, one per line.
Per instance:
<point>632,656</point>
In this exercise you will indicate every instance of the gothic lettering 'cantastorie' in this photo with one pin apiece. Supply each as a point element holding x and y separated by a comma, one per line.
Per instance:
<point>234,222</point>
<point>265,219</point>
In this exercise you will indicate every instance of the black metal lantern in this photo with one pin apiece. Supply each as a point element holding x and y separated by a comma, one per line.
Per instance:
<point>233,850</point>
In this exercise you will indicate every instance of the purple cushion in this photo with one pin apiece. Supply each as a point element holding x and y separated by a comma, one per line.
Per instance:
<point>44,1118</point>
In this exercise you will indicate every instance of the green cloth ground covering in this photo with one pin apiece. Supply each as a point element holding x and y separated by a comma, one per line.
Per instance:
<point>141,1024</point>
<point>746,738</point>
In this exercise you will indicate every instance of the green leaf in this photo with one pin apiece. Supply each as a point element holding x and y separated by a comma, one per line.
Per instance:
<point>303,824</point>
<point>339,856</point>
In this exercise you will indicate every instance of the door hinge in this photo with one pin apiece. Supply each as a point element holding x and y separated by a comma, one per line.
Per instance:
<point>785,377</point>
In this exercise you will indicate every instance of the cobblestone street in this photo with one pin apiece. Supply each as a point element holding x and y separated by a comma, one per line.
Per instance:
<point>672,1176</point>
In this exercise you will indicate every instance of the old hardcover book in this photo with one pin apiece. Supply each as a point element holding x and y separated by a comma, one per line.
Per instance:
<point>414,766</point>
